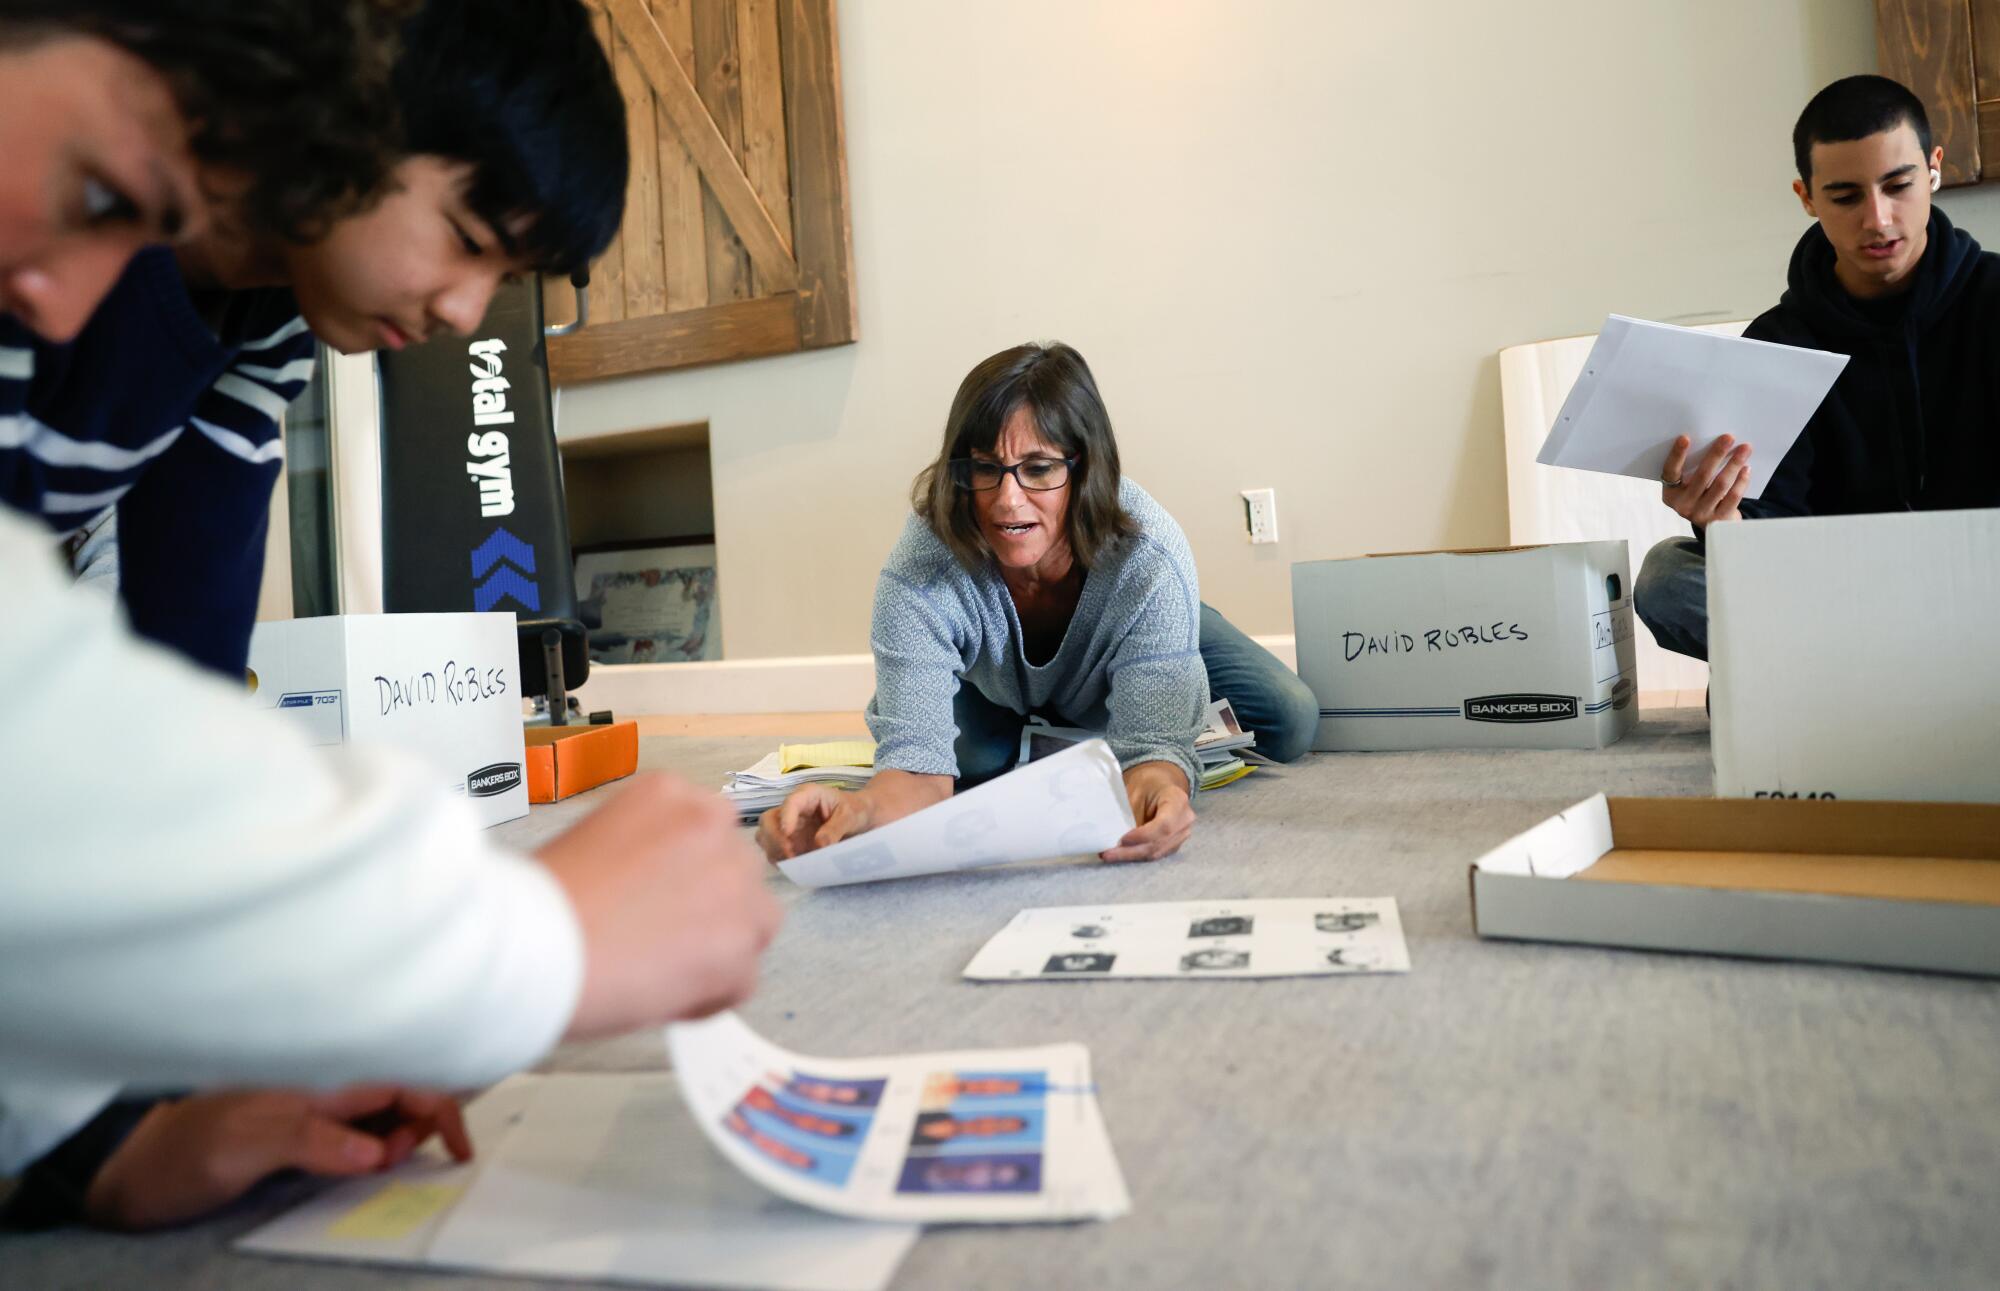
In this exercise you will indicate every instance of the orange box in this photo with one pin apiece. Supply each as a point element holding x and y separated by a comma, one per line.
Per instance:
<point>566,760</point>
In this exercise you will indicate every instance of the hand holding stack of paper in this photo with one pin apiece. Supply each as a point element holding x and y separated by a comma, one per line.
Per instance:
<point>1071,804</point>
<point>608,1176</point>
<point>594,1177</point>
<point>845,764</point>
<point>1645,384</point>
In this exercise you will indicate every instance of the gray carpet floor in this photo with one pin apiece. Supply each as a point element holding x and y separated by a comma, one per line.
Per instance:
<point>1506,1115</point>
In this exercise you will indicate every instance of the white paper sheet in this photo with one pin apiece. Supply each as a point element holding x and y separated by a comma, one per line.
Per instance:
<point>1069,804</point>
<point>1646,383</point>
<point>1197,939</point>
<point>983,1136</point>
<point>598,1177</point>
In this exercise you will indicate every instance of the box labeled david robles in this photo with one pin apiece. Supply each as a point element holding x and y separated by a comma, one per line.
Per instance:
<point>445,687</point>
<point>1517,647</point>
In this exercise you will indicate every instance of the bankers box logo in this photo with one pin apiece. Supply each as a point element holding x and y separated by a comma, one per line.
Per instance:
<point>1521,708</point>
<point>487,782</point>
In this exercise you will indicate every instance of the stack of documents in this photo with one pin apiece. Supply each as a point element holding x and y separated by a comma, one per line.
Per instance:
<point>1219,746</point>
<point>845,764</point>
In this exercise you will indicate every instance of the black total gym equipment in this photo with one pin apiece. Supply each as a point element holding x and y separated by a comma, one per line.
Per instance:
<point>472,496</point>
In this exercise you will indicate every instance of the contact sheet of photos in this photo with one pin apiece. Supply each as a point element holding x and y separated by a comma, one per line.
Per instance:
<point>972,1137</point>
<point>1189,939</point>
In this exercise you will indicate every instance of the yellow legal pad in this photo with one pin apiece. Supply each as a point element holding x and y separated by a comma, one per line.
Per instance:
<point>398,1210</point>
<point>834,753</point>
<point>1228,777</point>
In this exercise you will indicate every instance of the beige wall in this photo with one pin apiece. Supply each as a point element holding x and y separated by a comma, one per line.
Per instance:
<point>1289,235</point>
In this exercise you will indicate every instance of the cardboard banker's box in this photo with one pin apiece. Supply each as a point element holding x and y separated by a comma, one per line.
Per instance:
<point>1857,656</point>
<point>1518,647</point>
<point>446,687</point>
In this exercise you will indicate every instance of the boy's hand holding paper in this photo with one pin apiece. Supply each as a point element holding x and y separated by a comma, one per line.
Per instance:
<point>1707,491</point>
<point>1646,385</point>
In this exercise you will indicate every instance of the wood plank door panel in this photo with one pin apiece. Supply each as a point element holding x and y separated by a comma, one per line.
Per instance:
<point>735,241</point>
<point>1927,45</point>
<point>1986,77</point>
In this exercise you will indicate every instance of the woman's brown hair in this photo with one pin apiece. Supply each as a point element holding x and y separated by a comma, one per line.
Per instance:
<point>1054,384</point>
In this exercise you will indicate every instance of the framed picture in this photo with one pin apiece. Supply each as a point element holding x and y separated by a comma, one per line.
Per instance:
<point>650,602</point>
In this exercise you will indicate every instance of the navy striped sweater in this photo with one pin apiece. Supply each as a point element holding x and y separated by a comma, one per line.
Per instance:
<point>149,410</point>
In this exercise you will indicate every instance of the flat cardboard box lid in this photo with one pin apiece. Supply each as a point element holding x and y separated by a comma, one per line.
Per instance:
<point>1910,885</point>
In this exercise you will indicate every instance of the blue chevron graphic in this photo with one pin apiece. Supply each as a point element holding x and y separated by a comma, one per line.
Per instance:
<point>501,545</point>
<point>506,581</point>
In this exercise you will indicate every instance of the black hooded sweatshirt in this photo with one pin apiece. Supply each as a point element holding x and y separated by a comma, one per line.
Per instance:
<point>1913,422</point>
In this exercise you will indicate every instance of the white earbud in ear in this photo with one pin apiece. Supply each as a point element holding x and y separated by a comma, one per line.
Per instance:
<point>1937,180</point>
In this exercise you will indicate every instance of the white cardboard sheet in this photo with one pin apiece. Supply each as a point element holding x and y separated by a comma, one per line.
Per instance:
<point>1646,383</point>
<point>1069,804</point>
<point>1567,843</point>
<point>981,1136</point>
<point>1292,937</point>
<point>589,1177</point>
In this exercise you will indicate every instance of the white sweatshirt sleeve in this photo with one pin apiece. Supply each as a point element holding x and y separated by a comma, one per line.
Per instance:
<point>36,1117</point>
<point>190,895</point>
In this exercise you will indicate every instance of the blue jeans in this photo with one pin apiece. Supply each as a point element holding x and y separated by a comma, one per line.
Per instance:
<point>1671,596</point>
<point>1268,698</point>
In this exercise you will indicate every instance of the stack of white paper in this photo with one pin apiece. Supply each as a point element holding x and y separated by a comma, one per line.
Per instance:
<point>1222,747</point>
<point>981,1136</point>
<point>1645,383</point>
<point>759,787</point>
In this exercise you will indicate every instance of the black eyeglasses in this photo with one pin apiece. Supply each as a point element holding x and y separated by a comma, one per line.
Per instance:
<point>1035,474</point>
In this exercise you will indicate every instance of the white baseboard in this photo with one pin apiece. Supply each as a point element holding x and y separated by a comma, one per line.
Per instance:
<point>811,684</point>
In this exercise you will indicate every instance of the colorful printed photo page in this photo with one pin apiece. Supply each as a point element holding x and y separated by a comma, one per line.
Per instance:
<point>1070,804</point>
<point>1206,939</point>
<point>989,1136</point>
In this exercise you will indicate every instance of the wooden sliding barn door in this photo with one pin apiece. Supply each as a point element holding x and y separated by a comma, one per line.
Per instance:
<point>735,242</point>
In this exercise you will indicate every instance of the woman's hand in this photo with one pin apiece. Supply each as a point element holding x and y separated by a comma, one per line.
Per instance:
<point>816,815</point>
<point>1160,803</point>
<point>192,1155</point>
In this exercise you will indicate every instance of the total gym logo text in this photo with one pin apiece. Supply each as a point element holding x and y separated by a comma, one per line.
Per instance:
<point>1521,708</point>
<point>486,782</point>
<point>503,566</point>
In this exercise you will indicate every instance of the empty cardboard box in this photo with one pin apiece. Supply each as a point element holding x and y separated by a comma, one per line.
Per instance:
<point>1857,656</point>
<point>1514,647</point>
<point>1890,884</point>
<point>566,760</point>
<point>446,687</point>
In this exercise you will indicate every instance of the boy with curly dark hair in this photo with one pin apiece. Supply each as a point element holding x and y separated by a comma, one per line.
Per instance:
<point>164,99</point>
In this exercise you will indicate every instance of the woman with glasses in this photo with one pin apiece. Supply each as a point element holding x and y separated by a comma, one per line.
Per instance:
<point>1034,579</point>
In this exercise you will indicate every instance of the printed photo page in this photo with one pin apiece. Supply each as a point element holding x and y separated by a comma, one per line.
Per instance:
<point>1290,937</point>
<point>980,1136</point>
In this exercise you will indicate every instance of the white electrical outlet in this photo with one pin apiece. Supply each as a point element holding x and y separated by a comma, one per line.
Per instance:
<point>1260,513</point>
